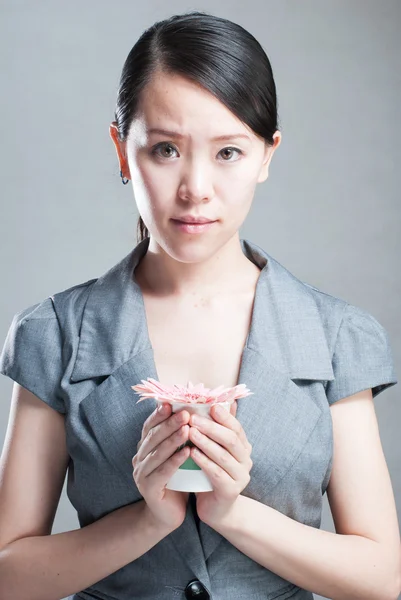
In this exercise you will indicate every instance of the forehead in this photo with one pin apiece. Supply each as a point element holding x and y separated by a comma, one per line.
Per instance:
<point>175,102</point>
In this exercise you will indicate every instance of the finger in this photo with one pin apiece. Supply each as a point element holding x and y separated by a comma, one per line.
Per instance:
<point>159,477</point>
<point>161,431</point>
<point>216,460</point>
<point>228,420</point>
<point>162,474</point>
<point>164,451</point>
<point>154,428</point>
<point>161,413</point>
<point>223,436</point>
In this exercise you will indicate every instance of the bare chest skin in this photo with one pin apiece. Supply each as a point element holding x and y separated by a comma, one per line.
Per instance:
<point>200,340</point>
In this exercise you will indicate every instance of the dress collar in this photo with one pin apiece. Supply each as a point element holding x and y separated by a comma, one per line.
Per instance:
<point>286,327</point>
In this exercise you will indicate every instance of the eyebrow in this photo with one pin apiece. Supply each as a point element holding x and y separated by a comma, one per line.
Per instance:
<point>215,139</point>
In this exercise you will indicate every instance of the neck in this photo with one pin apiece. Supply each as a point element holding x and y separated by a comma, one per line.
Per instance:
<point>227,271</point>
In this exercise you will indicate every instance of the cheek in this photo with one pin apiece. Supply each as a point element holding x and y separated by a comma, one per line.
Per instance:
<point>238,193</point>
<point>239,179</point>
<point>149,186</point>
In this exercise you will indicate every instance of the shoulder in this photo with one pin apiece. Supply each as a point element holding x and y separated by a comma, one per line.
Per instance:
<point>360,348</point>
<point>320,328</point>
<point>39,340</point>
<point>68,305</point>
<point>338,315</point>
<point>53,306</point>
<point>331,308</point>
<point>41,325</point>
<point>311,303</point>
<point>52,315</point>
<point>301,298</point>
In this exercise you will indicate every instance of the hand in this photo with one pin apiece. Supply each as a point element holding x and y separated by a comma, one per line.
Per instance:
<point>223,453</point>
<point>156,461</point>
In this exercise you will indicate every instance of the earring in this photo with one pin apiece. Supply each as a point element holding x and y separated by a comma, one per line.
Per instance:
<point>122,178</point>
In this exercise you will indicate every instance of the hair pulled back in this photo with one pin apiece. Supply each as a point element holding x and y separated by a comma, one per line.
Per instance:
<point>216,53</point>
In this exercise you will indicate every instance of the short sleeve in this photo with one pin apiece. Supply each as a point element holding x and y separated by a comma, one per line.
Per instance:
<point>362,356</point>
<point>32,353</point>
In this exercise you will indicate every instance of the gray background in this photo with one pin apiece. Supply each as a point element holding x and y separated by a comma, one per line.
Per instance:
<point>329,212</point>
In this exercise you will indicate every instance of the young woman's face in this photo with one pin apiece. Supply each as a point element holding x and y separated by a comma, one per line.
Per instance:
<point>185,170</point>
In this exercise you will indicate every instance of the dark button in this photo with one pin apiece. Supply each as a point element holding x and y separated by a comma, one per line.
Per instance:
<point>195,589</point>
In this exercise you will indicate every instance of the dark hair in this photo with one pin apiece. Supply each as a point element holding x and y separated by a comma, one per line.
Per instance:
<point>216,53</point>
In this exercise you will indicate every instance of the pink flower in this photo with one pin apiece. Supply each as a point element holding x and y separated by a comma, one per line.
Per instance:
<point>189,394</point>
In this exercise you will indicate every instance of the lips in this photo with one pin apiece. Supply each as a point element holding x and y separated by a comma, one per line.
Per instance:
<point>192,228</point>
<point>194,220</point>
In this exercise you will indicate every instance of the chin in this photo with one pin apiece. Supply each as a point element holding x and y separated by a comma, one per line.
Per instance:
<point>188,250</point>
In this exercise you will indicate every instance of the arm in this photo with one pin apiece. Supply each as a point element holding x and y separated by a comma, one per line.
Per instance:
<point>361,561</point>
<point>35,565</point>
<point>55,566</point>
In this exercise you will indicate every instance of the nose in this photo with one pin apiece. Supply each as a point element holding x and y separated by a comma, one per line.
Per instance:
<point>196,181</point>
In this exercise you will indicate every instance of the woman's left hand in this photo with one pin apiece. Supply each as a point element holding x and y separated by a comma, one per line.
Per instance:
<point>223,453</point>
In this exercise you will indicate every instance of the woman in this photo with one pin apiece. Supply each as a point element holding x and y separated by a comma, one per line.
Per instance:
<point>195,131</point>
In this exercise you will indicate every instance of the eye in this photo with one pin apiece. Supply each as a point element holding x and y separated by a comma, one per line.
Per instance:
<point>169,147</point>
<point>231,149</point>
<point>155,152</point>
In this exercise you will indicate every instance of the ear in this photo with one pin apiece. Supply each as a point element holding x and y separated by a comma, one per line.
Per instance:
<point>120,149</point>
<point>269,151</point>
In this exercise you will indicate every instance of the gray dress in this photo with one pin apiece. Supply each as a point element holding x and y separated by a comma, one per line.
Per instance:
<point>82,349</point>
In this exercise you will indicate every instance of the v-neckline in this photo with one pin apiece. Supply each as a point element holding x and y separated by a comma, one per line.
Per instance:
<point>254,315</point>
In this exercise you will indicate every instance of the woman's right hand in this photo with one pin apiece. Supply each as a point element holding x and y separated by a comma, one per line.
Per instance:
<point>156,461</point>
